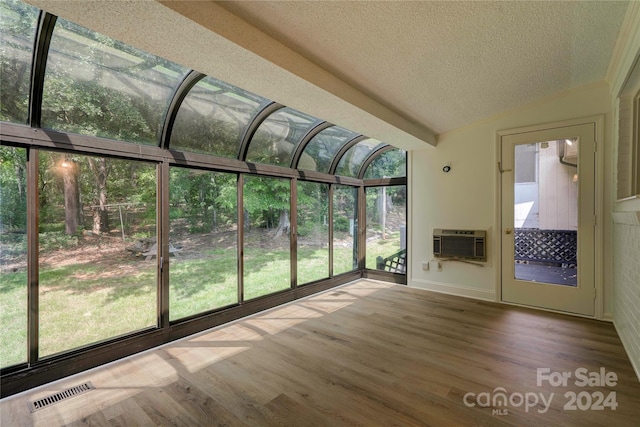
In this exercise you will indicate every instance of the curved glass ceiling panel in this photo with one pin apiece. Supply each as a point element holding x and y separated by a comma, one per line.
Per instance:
<point>213,118</point>
<point>17,32</point>
<point>95,85</point>
<point>390,164</point>
<point>352,160</point>
<point>277,137</point>
<point>320,151</point>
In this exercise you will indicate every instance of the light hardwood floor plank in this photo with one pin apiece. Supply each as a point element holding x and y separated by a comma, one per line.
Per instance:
<point>364,354</point>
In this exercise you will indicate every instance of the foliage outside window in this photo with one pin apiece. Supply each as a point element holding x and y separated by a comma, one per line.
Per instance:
<point>313,231</point>
<point>13,256</point>
<point>353,159</point>
<point>276,138</point>
<point>95,85</point>
<point>202,241</point>
<point>213,117</point>
<point>386,223</point>
<point>17,31</point>
<point>345,229</point>
<point>94,282</point>
<point>267,254</point>
<point>320,151</point>
<point>390,164</point>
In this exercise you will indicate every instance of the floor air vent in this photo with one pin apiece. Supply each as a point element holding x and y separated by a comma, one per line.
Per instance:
<point>60,396</point>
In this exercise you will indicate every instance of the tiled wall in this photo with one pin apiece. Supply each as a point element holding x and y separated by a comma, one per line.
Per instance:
<point>626,255</point>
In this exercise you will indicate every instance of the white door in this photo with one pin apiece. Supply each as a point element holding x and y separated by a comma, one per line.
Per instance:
<point>548,218</point>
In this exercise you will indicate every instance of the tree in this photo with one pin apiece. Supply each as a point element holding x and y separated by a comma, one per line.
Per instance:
<point>197,196</point>
<point>13,202</point>
<point>100,168</point>
<point>389,164</point>
<point>71,190</point>
<point>17,29</point>
<point>267,200</point>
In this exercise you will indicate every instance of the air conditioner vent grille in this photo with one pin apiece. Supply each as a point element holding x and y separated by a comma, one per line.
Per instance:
<point>60,396</point>
<point>466,244</point>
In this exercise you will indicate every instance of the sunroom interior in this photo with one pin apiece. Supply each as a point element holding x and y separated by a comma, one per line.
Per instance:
<point>168,167</point>
<point>153,200</point>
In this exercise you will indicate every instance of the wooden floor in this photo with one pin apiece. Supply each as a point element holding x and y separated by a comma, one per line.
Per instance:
<point>364,354</point>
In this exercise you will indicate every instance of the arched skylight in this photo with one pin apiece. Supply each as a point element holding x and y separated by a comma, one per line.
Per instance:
<point>389,164</point>
<point>321,150</point>
<point>17,32</point>
<point>213,118</point>
<point>95,85</point>
<point>277,137</point>
<point>352,160</point>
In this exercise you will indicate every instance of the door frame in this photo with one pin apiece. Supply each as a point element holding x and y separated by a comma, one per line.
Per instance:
<point>599,122</point>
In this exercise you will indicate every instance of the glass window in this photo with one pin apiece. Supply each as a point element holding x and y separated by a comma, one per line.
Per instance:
<point>313,231</point>
<point>97,229</point>
<point>526,158</point>
<point>13,256</point>
<point>276,138</point>
<point>345,229</point>
<point>213,117</point>
<point>390,164</point>
<point>387,228</point>
<point>352,160</point>
<point>95,85</point>
<point>203,246</point>
<point>17,32</point>
<point>267,259</point>
<point>320,151</point>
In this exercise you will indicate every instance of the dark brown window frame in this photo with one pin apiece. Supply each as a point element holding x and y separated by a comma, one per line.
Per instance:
<point>33,138</point>
<point>36,372</point>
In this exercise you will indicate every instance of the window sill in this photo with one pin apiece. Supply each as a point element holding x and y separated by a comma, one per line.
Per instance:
<point>627,211</point>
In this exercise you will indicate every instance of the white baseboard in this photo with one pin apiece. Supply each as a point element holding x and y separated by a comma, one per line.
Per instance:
<point>451,289</point>
<point>607,317</point>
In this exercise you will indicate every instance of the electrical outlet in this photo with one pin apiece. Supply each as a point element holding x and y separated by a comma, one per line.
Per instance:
<point>425,266</point>
<point>439,266</point>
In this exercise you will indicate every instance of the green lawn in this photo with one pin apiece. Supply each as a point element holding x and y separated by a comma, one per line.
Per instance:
<point>13,318</point>
<point>82,303</point>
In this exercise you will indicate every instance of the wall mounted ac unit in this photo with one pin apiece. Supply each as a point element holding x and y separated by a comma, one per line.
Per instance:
<point>466,244</point>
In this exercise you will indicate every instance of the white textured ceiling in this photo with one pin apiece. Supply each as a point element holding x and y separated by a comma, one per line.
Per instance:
<point>394,70</point>
<point>446,64</point>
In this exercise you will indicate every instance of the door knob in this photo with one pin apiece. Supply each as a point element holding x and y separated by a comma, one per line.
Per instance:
<point>508,230</point>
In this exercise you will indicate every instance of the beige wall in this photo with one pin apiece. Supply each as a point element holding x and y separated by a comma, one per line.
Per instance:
<point>626,214</point>
<point>467,197</point>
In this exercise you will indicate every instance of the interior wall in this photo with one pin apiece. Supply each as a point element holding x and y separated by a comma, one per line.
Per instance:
<point>626,213</point>
<point>467,197</point>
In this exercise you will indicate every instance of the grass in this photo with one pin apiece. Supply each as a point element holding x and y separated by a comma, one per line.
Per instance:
<point>383,248</point>
<point>86,303</point>
<point>83,304</point>
<point>13,318</point>
<point>199,285</point>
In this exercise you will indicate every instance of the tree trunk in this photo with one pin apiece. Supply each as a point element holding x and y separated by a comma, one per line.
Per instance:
<point>283,223</point>
<point>100,169</point>
<point>20,173</point>
<point>71,195</point>
<point>247,219</point>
